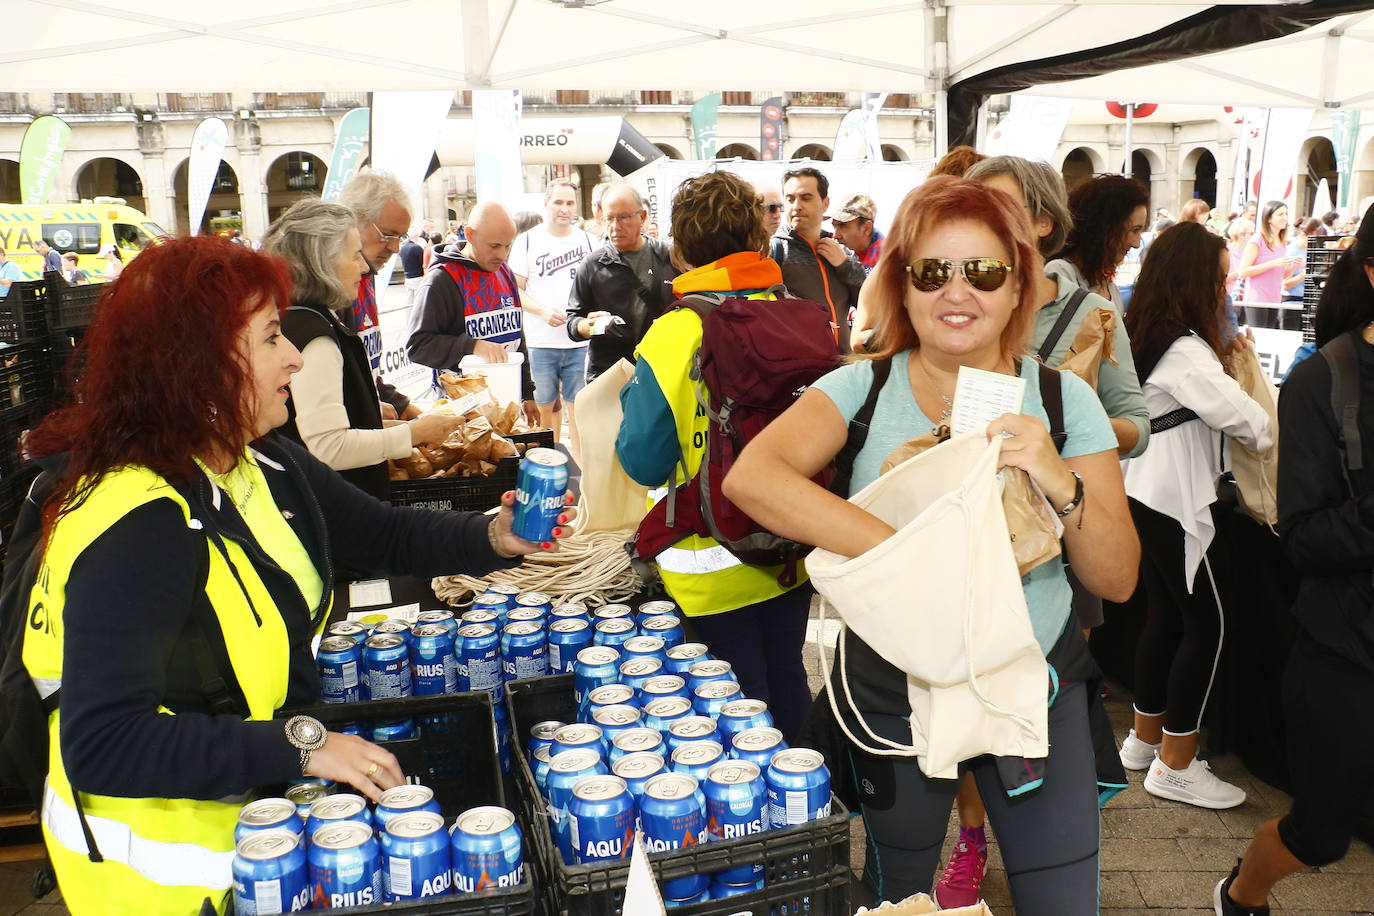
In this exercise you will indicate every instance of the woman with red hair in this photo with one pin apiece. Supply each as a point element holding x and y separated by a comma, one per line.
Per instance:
<point>188,560</point>
<point>956,288</point>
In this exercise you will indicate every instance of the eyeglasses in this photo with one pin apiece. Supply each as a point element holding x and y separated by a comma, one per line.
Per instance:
<point>983,274</point>
<point>388,239</point>
<point>773,208</point>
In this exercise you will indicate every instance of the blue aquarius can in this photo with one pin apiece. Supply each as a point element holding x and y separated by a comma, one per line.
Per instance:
<point>345,867</point>
<point>567,637</point>
<point>433,660</point>
<point>612,720</point>
<point>578,736</point>
<point>635,741</point>
<point>501,716</point>
<point>536,600</point>
<point>635,671</point>
<point>662,687</point>
<point>529,615</point>
<point>498,606</point>
<point>708,670</point>
<point>672,903</point>
<point>672,814</point>
<point>404,799</point>
<point>479,660</point>
<point>798,787</point>
<point>637,769</point>
<point>440,616</point>
<point>416,862</point>
<point>386,660</point>
<point>480,617</point>
<point>609,695</point>
<point>696,758</point>
<point>655,609</point>
<point>268,814</point>
<point>720,890</point>
<point>736,807</point>
<point>709,698</point>
<point>270,873</point>
<point>303,794</point>
<point>571,610</point>
<point>524,651</point>
<point>596,666</point>
<point>354,630</point>
<point>396,626</point>
<point>757,745</point>
<point>614,632</point>
<point>644,647</point>
<point>539,762</point>
<point>739,715</point>
<point>666,627</point>
<point>613,612</point>
<point>565,770</point>
<point>688,729</point>
<point>601,819</point>
<point>539,494</point>
<point>660,713</point>
<point>335,809</point>
<point>680,658</point>
<point>487,850</point>
<point>393,730</point>
<point>541,735</point>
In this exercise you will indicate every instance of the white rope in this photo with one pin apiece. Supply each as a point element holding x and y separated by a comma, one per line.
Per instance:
<point>591,568</point>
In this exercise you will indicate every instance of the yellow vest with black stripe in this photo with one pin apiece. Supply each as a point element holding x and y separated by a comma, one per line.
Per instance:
<point>161,855</point>
<point>700,575</point>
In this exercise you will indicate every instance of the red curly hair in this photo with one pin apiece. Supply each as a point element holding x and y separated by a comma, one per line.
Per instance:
<point>162,380</point>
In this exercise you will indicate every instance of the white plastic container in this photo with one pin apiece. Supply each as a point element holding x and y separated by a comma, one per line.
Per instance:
<point>503,379</point>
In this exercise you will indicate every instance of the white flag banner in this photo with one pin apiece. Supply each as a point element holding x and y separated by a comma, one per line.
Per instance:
<point>207,150</point>
<point>1283,138</point>
<point>496,146</point>
<point>1032,128</point>
<point>873,140</point>
<point>1249,127</point>
<point>850,140</point>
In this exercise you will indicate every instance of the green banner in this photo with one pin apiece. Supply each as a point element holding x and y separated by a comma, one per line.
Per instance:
<point>704,115</point>
<point>41,153</point>
<point>348,151</point>
<point>1345,127</point>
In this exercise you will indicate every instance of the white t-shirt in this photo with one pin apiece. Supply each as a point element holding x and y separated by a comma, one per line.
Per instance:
<point>548,263</point>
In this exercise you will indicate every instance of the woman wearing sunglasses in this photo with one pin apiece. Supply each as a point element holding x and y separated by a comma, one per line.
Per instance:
<point>955,289</point>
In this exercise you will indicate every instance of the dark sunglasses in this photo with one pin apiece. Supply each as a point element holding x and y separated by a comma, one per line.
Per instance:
<point>773,208</point>
<point>983,274</point>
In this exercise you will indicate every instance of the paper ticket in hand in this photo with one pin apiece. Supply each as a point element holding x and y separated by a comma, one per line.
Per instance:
<point>981,397</point>
<point>601,324</point>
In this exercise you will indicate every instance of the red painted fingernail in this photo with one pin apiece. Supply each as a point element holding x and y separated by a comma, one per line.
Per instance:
<point>509,494</point>
<point>563,519</point>
<point>558,532</point>
<point>547,545</point>
<point>568,499</point>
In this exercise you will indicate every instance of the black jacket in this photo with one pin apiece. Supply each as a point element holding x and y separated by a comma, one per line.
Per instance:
<point>134,594</point>
<point>1327,534</point>
<point>303,323</point>
<point>808,276</point>
<point>605,283</point>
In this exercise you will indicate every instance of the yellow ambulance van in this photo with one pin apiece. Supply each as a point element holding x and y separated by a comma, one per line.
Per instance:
<point>86,228</point>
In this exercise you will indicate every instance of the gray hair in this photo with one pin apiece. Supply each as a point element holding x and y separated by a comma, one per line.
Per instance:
<point>621,186</point>
<point>1043,190</point>
<point>310,237</point>
<point>370,191</point>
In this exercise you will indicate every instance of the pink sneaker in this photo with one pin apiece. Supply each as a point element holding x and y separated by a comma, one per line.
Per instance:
<point>963,875</point>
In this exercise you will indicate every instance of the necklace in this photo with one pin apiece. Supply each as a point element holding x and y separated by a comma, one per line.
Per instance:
<point>948,402</point>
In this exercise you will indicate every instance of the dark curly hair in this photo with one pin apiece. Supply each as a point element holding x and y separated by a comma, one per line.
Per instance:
<point>715,215</point>
<point>1181,285</point>
<point>1101,209</point>
<point>1347,300</point>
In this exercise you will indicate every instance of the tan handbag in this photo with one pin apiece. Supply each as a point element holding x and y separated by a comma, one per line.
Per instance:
<point>611,501</point>
<point>942,601</point>
<point>1256,473</point>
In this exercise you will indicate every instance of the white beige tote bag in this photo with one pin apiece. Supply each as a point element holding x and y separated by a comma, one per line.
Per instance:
<point>611,501</point>
<point>942,601</point>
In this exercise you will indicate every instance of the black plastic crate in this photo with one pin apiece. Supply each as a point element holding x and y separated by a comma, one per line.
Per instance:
<point>806,867</point>
<point>454,754</point>
<point>473,494</point>
<point>540,438</point>
<point>1319,257</point>
<point>22,312</point>
<point>70,307</point>
<point>26,378</point>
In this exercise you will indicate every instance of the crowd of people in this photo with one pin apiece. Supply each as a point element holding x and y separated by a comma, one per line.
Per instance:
<point>179,507</point>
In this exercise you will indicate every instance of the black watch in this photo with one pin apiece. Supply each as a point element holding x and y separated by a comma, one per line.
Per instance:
<point>306,735</point>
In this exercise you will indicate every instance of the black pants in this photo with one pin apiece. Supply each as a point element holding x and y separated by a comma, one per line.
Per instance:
<point>763,642</point>
<point>1176,658</point>
<point>1329,706</point>
<point>1049,836</point>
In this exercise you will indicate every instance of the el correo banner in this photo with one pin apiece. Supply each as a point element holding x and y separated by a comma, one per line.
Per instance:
<point>348,151</point>
<point>207,150</point>
<point>705,114</point>
<point>40,154</point>
<point>1345,127</point>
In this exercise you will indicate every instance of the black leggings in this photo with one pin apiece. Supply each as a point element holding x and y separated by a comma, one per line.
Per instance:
<point>1049,836</point>
<point>1176,658</point>
<point>763,643</point>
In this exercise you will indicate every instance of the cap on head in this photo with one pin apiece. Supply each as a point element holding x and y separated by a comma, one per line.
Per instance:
<point>856,206</point>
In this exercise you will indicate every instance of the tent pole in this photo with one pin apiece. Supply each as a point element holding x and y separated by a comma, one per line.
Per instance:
<point>937,57</point>
<point>981,134</point>
<point>1130,117</point>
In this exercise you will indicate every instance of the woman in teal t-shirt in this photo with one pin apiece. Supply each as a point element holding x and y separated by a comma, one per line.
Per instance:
<point>955,288</point>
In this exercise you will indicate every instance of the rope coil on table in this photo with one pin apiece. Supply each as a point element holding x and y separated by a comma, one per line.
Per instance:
<point>591,568</point>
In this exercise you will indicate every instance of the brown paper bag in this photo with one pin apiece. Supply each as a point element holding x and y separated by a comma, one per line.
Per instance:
<point>1092,344</point>
<point>611,501</point>
<point>1034,536</point>
<point>1256,473</point>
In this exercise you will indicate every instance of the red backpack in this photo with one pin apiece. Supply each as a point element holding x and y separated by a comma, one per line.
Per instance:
<point>757,356</point>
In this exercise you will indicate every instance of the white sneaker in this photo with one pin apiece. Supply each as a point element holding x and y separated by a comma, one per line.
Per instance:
<point>1196,785</point>
<point>1136,754</point>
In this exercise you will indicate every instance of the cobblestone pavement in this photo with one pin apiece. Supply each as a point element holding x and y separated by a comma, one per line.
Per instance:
<point>1158,857</point>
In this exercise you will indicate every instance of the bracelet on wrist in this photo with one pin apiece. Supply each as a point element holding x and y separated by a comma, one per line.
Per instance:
<point>1076,501</point>
<point>496,548</point>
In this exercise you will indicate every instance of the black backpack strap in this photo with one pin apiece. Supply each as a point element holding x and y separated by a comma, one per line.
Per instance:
<point>1061,324</point>
<point>858,429</point>
<point>1052,399</point>
<point>1344,362</point>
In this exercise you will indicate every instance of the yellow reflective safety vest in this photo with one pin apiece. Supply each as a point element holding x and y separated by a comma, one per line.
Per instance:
<point>701,576</point>
<point>161,855</point>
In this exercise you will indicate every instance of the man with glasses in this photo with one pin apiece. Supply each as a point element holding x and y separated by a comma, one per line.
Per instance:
<point>814,265</point>
<point>619,289</point>
<point>853,222</point>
